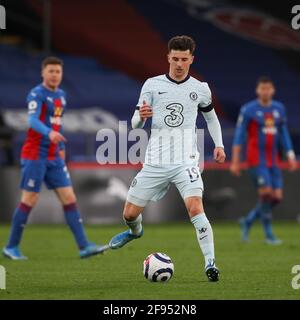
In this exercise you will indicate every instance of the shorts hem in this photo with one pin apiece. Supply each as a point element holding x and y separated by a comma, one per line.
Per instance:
<point>137,201</point>
<point>193,193</point>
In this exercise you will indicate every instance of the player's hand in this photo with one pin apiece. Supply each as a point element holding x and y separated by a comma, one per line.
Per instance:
<point>62,154</point>
<point>145,111</point>
<point>56,137</point>
<point>293,165</point>
<point>219,155</point>
<point>235,168</point>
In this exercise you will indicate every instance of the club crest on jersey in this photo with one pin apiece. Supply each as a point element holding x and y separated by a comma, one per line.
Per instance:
<point>58,111</point>
<point>193,96</point>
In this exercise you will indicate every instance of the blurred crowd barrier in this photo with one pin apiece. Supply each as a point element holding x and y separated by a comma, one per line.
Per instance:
<point>102,190</point>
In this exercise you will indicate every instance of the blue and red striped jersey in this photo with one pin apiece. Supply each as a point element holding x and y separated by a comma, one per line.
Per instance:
<point>265,129</point>
<point>45,110</point>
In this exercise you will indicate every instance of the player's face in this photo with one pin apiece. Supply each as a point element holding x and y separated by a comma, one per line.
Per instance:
<point>52,75</point>
<point>265,91</point>
<point>180,62</point>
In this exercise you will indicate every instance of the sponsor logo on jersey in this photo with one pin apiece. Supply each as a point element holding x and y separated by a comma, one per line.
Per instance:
<point>269,130</point>
<point>56,120</point>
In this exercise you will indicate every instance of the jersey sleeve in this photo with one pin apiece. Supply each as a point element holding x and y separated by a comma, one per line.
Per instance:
<point>241,127</point>
<point>205,95</point>
<point>284,133</point>
<point>34,103</point>
<point>146,94</point>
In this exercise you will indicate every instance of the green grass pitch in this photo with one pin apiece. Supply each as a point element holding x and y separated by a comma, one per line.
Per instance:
<point>248,271</point>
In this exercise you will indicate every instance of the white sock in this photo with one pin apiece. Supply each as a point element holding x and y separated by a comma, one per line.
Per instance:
<point>205,237</point>
<point>135,225</point>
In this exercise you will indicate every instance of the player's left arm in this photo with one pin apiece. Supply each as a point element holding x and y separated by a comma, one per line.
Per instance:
<point>287,142</point>
<point>213,126</point>
<point>143,109</point>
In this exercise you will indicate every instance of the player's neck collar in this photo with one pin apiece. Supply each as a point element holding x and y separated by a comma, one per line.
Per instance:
<point>48,89</point>
<point>178,82</point>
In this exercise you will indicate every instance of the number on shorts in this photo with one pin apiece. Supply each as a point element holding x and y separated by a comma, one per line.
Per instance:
<point>193,174</point>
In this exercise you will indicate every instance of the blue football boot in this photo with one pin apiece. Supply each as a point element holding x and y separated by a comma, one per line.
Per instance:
<point>91,250</point>
<point>13,253</point>
<point>121,239</point>
<point>244,230</point>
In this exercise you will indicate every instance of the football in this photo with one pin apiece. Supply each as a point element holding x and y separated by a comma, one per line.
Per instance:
<point>158,267</point>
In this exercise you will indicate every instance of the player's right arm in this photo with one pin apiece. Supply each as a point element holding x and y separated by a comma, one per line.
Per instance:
<point>35,102</point>
<point>239,138</point>
<point>143,109</point>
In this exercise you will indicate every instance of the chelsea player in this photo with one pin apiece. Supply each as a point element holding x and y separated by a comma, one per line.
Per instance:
<point>173,101</point>
<point>43,160</point>
<point>263,122</point>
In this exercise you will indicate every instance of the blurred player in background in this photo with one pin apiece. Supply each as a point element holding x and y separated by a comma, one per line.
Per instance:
<point>263,121</point>
<point>43,160</point>
<point>173,100</point>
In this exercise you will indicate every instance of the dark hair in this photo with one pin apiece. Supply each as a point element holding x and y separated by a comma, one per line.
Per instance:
<point>182,43</point>
<point>52,60</point>
<point>264,79</point>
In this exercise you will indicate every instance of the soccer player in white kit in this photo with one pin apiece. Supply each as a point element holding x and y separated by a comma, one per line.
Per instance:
<point>173,101</point>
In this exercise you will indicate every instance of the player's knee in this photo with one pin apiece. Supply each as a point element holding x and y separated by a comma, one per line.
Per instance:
<point>195,209</point>
<point>194,206</point>
<point>70,198</point>
<point>30,199</point>
<point>275,200</point>
<point>129,215</point>
<point>266,196</point>
<point>131,211</point>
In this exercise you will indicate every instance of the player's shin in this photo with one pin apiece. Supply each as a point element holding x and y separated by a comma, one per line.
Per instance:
<point>18,223</point>
<point>266,217</point>
<point>74,221</point>
<point>135,225</point>
<point>253,215</point>
<point>205,237</point>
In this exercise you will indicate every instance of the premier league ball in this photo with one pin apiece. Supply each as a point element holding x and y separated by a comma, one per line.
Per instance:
<point>158,267</point>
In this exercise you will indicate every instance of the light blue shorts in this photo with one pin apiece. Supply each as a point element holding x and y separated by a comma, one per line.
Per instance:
<point>152,183</point>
